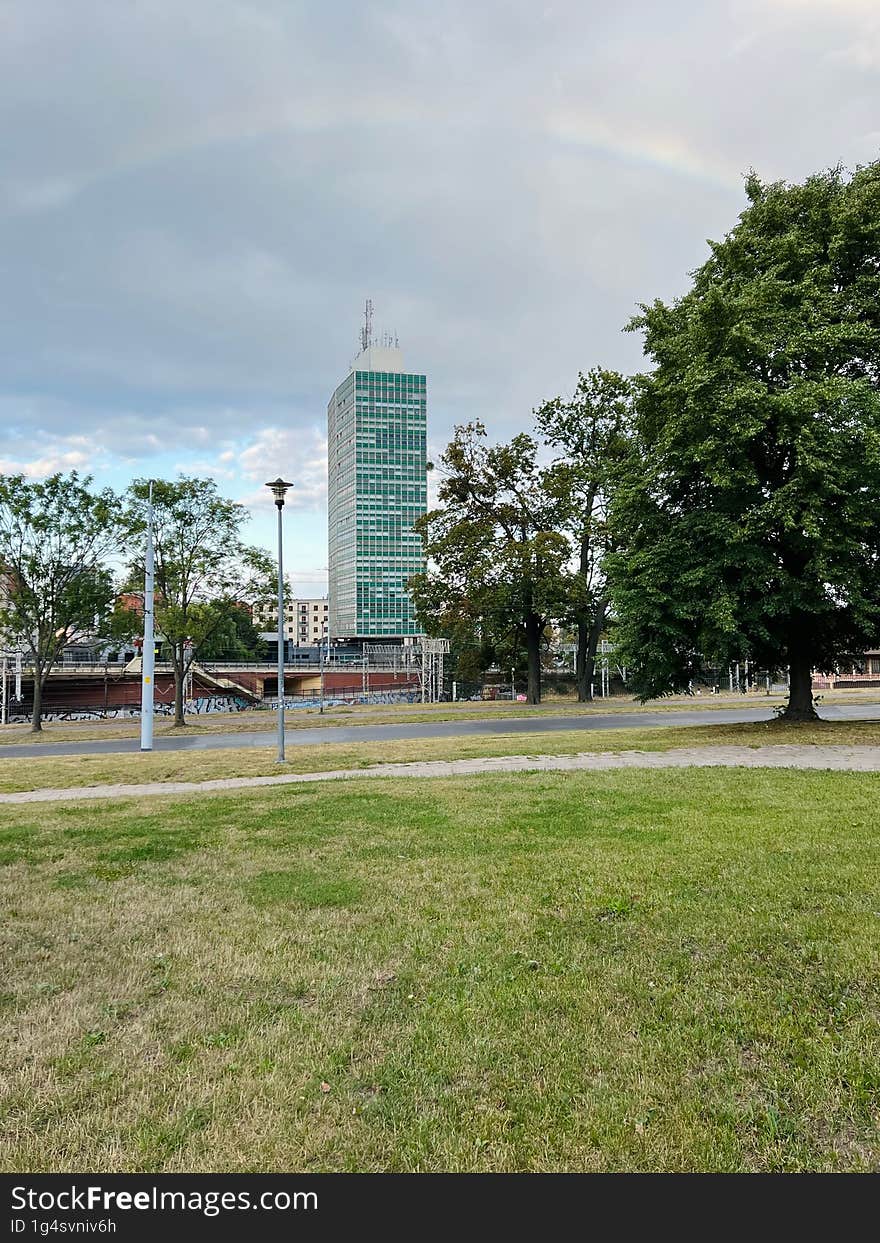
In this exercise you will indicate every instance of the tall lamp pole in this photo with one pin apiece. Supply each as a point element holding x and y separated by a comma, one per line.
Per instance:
<point>148,652</point>
<point>279,489</point>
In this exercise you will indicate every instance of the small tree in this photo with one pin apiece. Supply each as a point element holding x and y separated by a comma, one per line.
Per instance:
<point>236,638</point>
<point>592,430</point>
<point>55,537</point>
<point>751,508</point>
<point>495,555</point>
<point>203,570</point>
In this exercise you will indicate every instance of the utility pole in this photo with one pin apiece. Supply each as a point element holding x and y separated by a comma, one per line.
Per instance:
<point>148,653</point>
<point>4,712</point>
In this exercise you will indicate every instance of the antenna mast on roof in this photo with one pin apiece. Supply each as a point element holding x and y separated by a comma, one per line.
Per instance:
<point>367,330</point>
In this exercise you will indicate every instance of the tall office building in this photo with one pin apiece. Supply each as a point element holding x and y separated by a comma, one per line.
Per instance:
<point>376,429</point>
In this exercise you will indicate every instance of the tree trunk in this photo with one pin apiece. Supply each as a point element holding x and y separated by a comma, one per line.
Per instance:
<point>37,714</point>
<point>594,633</point>
<point>179,678</point>
<point>533,652</point>
<point>584,665</point>
<point>800,687</point>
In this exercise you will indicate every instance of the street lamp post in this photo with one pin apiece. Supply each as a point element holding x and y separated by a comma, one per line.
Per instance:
<point>279,488</point>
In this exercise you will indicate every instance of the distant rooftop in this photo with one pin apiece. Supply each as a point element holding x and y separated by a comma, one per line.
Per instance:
<point>379,358</point>
<point>380,352</point>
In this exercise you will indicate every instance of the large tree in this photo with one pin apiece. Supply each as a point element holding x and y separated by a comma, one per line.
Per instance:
<point>55,539</point>
<point>495,556</point>
<point>592,430</point>
<point>204,571</point>
<point>751,510</point>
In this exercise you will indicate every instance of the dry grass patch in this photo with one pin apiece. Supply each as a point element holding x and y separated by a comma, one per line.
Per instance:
<point>629,970</point>
<point>135,768</point>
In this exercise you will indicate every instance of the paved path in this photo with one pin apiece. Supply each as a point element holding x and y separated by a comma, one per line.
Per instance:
<point>857,759</point>
<point>434,729</point>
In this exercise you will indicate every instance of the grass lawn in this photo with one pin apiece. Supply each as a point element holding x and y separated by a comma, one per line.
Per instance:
<point>85,770</point>
<point>630,970</point>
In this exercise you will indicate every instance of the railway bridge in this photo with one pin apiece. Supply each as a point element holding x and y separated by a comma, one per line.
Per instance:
<point>107,689</point>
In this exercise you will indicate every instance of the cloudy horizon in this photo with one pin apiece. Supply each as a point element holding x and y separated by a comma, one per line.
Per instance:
<point>198,199</point>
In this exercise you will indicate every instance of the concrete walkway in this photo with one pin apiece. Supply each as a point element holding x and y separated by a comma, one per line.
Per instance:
<point>853,759</point>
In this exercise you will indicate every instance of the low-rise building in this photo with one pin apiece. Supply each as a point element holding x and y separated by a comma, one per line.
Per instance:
<point>305,620</point>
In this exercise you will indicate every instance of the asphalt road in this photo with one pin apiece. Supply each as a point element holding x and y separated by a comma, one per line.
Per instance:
<point>432,729</point>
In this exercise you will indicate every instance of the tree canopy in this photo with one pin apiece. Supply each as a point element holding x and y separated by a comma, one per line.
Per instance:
<point>495,554</point>
<point>591,429</point>
<point>750,511</point>
<point>203,569</point>
<point>55,539</point>
<point>236,638</point>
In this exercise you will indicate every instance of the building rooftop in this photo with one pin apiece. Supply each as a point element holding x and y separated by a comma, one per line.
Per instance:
<point>379,358</point>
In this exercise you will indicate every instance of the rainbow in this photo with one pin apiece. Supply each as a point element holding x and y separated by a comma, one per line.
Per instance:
<point>669,154</point>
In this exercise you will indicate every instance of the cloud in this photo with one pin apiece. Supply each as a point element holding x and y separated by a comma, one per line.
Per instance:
<point>299,456</point>
<point>197,199</point>
<point>208,469</point>
<point>44,195</point>
<point>39,468</point>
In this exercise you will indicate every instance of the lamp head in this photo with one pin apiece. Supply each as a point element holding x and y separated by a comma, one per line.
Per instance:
<point>279,487</point>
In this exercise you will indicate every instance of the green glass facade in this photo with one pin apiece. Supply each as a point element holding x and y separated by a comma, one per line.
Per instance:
<point>376,446</point>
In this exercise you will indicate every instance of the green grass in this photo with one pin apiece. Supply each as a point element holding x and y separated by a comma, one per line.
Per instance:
<point>629,970</point>
<point>132,769</point>
<point>302,887</point>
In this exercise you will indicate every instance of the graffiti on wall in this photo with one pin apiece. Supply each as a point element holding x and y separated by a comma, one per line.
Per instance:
<point>20,714</point>
<point>347,701</point>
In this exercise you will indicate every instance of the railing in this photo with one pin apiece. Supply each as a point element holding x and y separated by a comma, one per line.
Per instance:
<point>115,668</point>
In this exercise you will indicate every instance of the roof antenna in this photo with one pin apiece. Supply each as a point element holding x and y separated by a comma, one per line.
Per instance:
<point>367,330</point>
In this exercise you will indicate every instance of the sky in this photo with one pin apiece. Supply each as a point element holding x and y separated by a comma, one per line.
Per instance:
<point>196,199</point>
